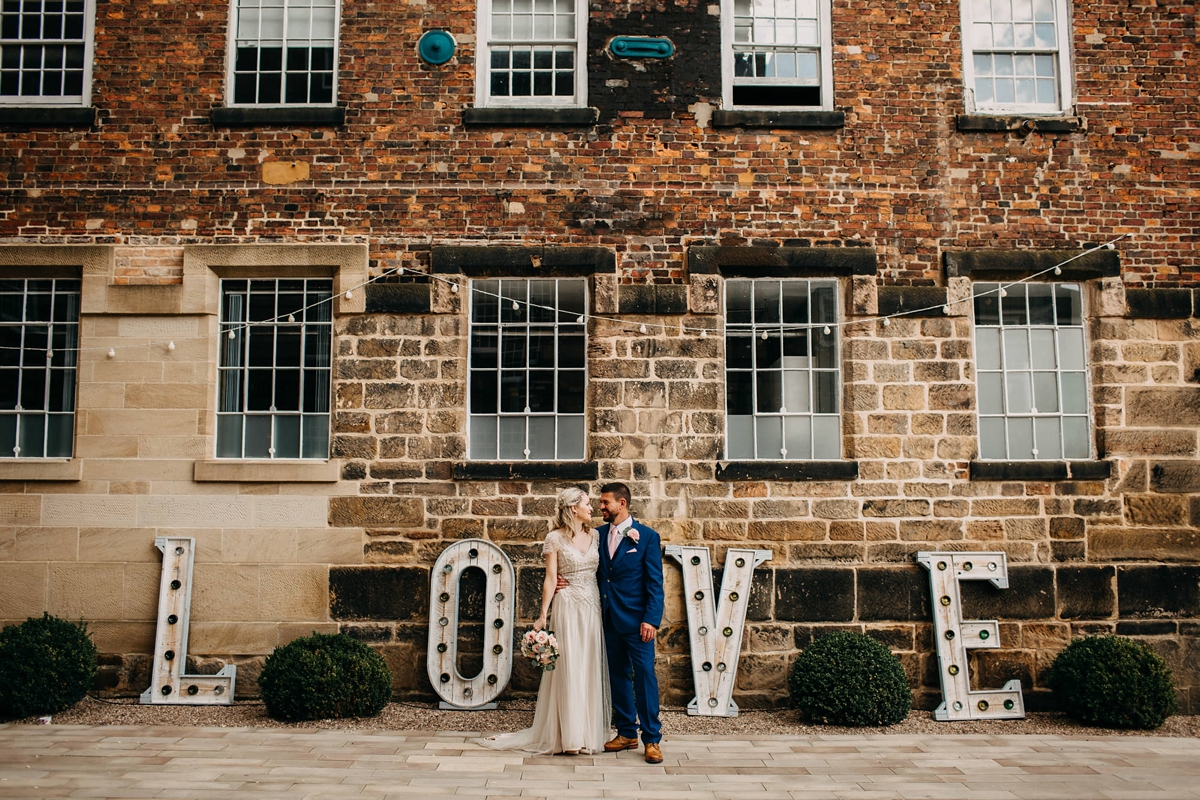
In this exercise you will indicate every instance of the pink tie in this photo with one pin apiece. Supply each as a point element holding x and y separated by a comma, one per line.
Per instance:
<point>614,540</point>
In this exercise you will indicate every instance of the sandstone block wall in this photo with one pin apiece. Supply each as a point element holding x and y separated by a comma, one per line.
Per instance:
<point>136,204</point>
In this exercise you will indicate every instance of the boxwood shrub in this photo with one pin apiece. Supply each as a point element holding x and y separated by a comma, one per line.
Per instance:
<point>1113,682</point>
<point>324,676</point>
<point>848,678</point>
<point>47,665</point>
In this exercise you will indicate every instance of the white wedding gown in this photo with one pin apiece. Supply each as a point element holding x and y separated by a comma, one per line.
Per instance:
<point>573,710</point>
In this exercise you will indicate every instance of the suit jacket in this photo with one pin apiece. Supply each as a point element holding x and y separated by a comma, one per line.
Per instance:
<point>631,582</point>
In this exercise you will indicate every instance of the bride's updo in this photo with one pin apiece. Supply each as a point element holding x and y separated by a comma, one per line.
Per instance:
<point>564,517</point>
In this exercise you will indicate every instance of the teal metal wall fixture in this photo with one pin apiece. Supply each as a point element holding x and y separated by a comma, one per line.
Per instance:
<point>641,47</point>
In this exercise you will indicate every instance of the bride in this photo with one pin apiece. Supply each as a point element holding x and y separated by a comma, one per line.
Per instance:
<point>573,710</point>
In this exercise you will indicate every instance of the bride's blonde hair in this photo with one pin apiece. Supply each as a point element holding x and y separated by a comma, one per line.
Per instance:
<point>564,517</point>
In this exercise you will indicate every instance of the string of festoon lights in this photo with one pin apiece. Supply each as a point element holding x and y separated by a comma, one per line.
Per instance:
<point>231,330</point>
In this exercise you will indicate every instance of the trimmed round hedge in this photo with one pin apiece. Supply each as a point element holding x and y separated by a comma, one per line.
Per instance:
<point>325,676</point>
<point>47,665</point>
<point>850,679</point>
<point>1113,682</point>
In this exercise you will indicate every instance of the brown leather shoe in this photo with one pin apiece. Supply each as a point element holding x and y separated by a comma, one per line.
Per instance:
<point>653,753</point>
<point>620,743</point>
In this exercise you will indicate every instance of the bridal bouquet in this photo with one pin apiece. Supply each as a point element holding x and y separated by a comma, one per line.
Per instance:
<point>541,648</point>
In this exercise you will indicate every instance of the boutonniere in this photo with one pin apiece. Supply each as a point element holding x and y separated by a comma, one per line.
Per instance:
<point>632,535</point>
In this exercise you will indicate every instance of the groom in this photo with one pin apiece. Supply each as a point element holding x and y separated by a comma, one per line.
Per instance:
<point>631,595</point>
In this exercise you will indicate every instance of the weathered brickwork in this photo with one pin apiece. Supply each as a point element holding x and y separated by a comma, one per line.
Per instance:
<point>1110,545</point>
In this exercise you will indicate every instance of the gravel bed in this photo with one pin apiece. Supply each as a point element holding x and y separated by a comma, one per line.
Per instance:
<point>516,714</point>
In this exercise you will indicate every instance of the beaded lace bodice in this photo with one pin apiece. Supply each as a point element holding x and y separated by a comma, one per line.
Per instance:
<point>578,568</point>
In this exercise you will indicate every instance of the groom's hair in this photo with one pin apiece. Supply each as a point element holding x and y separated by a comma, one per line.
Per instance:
<point>618,490</point>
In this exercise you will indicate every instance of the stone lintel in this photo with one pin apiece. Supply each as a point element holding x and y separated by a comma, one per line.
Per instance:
<point>1159,303</point>
<point>1147,627</point>
<point>984,264</point>
<point>758,261</point>
<point>913,301</point>
<point>54,117</point>
<point>798,120</point>
<point>990,123</point>
<point>652,299</point>
<point>526,470</point>
<point>787,470</point>
<point>1040,470</point>
<point>549,261</point>
<point>389,593</point>
<point>41,469</point>
<point>1156,591</point>
<point>1175,476</point>
<point>56,260</point>
<point>398,298</point>
<point>267,471</point>
<point>530,117</point>
<point>268,117</point>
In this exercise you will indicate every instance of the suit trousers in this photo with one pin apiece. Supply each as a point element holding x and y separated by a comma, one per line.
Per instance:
<point>634,696</point>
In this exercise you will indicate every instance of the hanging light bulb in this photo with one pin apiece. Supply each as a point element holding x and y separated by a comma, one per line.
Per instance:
<point>516,306</point>
<point>49,354</point>
<point>231,333</point>
<point>454,288</point>
<point>826,330</point>
<point>1003,292</point>
<point>112,353</point>
<point>704,333</point>
<point>579,320</point>
<point>887,322</point>
<point>642,329</point>
<point>349,294</point>
<point>764,336</point>
<point>170,345</point>
<point>291,317</point>
<point>1058,270</point>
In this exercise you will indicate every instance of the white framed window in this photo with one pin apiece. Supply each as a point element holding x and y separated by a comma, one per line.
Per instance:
<point>39,337</point>
<point>46,52</point>
<point>777,54</point>
<point>782,370</point>
<point>1031,372</point>
<point>532,53</point>
<point>283,52</point>
<point>528,362</point>
<point>274,371</point>
<point>1017,55</point>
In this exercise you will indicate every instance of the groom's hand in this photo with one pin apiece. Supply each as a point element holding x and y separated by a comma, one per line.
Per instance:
<point>561,584</point>
<point>648,632</point>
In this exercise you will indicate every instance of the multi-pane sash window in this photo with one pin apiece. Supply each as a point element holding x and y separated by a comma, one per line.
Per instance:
<point>532,52</point>
<point>528,369</point>
<point>284,52</point>
<point>45,51</point>
<point>1031,372</point>
<point>275,368</point>
<point>777,53</point>
<point>39,334</point>
<point>1016,54</point>
<point>781,370</point>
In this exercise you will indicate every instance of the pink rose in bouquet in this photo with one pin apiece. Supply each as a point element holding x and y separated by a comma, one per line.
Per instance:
<point>541,648</point>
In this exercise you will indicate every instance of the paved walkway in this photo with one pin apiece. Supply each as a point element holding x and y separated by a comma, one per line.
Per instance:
<point>214,763</point>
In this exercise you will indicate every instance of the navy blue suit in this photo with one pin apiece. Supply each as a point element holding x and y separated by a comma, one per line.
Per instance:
<point>631,592</point>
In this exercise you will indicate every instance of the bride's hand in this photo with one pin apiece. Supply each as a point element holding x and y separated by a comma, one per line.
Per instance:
<point>539,624</point>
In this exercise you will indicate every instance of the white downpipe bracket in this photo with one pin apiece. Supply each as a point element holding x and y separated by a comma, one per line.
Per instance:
<point>168,684</point>
<point>715,626</point>
<point>478,693</point>
<point>954,636</point>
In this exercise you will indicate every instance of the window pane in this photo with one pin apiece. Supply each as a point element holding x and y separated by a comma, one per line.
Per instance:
<point>991,395</point>
<point>795,391</point>
<point>737,302</point>
<point>570,438</point>
<point>1045,392</point>
<point>484,349</point>
<point>1075,438</point>
<point>229,436</point>
<point>769,391</point>
<point>258,436</point>
<point>315,441</point>
<point>571,352</point>
<point>1048,444</point>
<point>987,304</point>
<point>1074,393</point>
<point>739,436</point>
<point>827,443</point>
<point>1041,304</point>
<point>1020,438</point>
<point>738,352</point>
<point>739,392</point>
<point>766,301</point>
<point>826,392</point>
<point>571,392</point>
<point>1042,344</point>
<point>1070,343</point>
<point>287,436</point>
<point>991,437</point>
<point>513,397</point>
<point>1016,349</point>
<point>1020,395</point>
<point>541,391</point>
<point>512,437</point>
<point>1069,306</point>
<point>767,353</point>
<point>541,438</point>
<point>987,342</point>
<point>797,437</point>
<point>769,437</point>
<point>483,437</point>
<point>31,435</point>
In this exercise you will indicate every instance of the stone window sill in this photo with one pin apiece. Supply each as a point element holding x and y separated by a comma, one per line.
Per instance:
<point>723,118</point>
<point>530,117</point>
<point>252,116</point>
<point>48,117</point>
<point>526,470</point>
<point>38,469</point>
<point>787,470</point>
<point>280,471</point>
<point>994,123</point>
<point>1040,470</point>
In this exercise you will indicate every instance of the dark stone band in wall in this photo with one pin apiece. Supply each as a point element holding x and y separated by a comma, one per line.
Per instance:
<point>1159,303</point>
<point>398,298</point>
<point>530,117</point>
<point>652,299</point>
<point>912,301</point>
<point>489,261</point>
<point>778,119</point>
<point>984,123</point>
<point>1003,264</point>
<point>246,116</point>
<point>1040,470</point>
<point>527,470</point>
<point>781,262</point>
<point>33,117</point>
<point>787,470</point>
